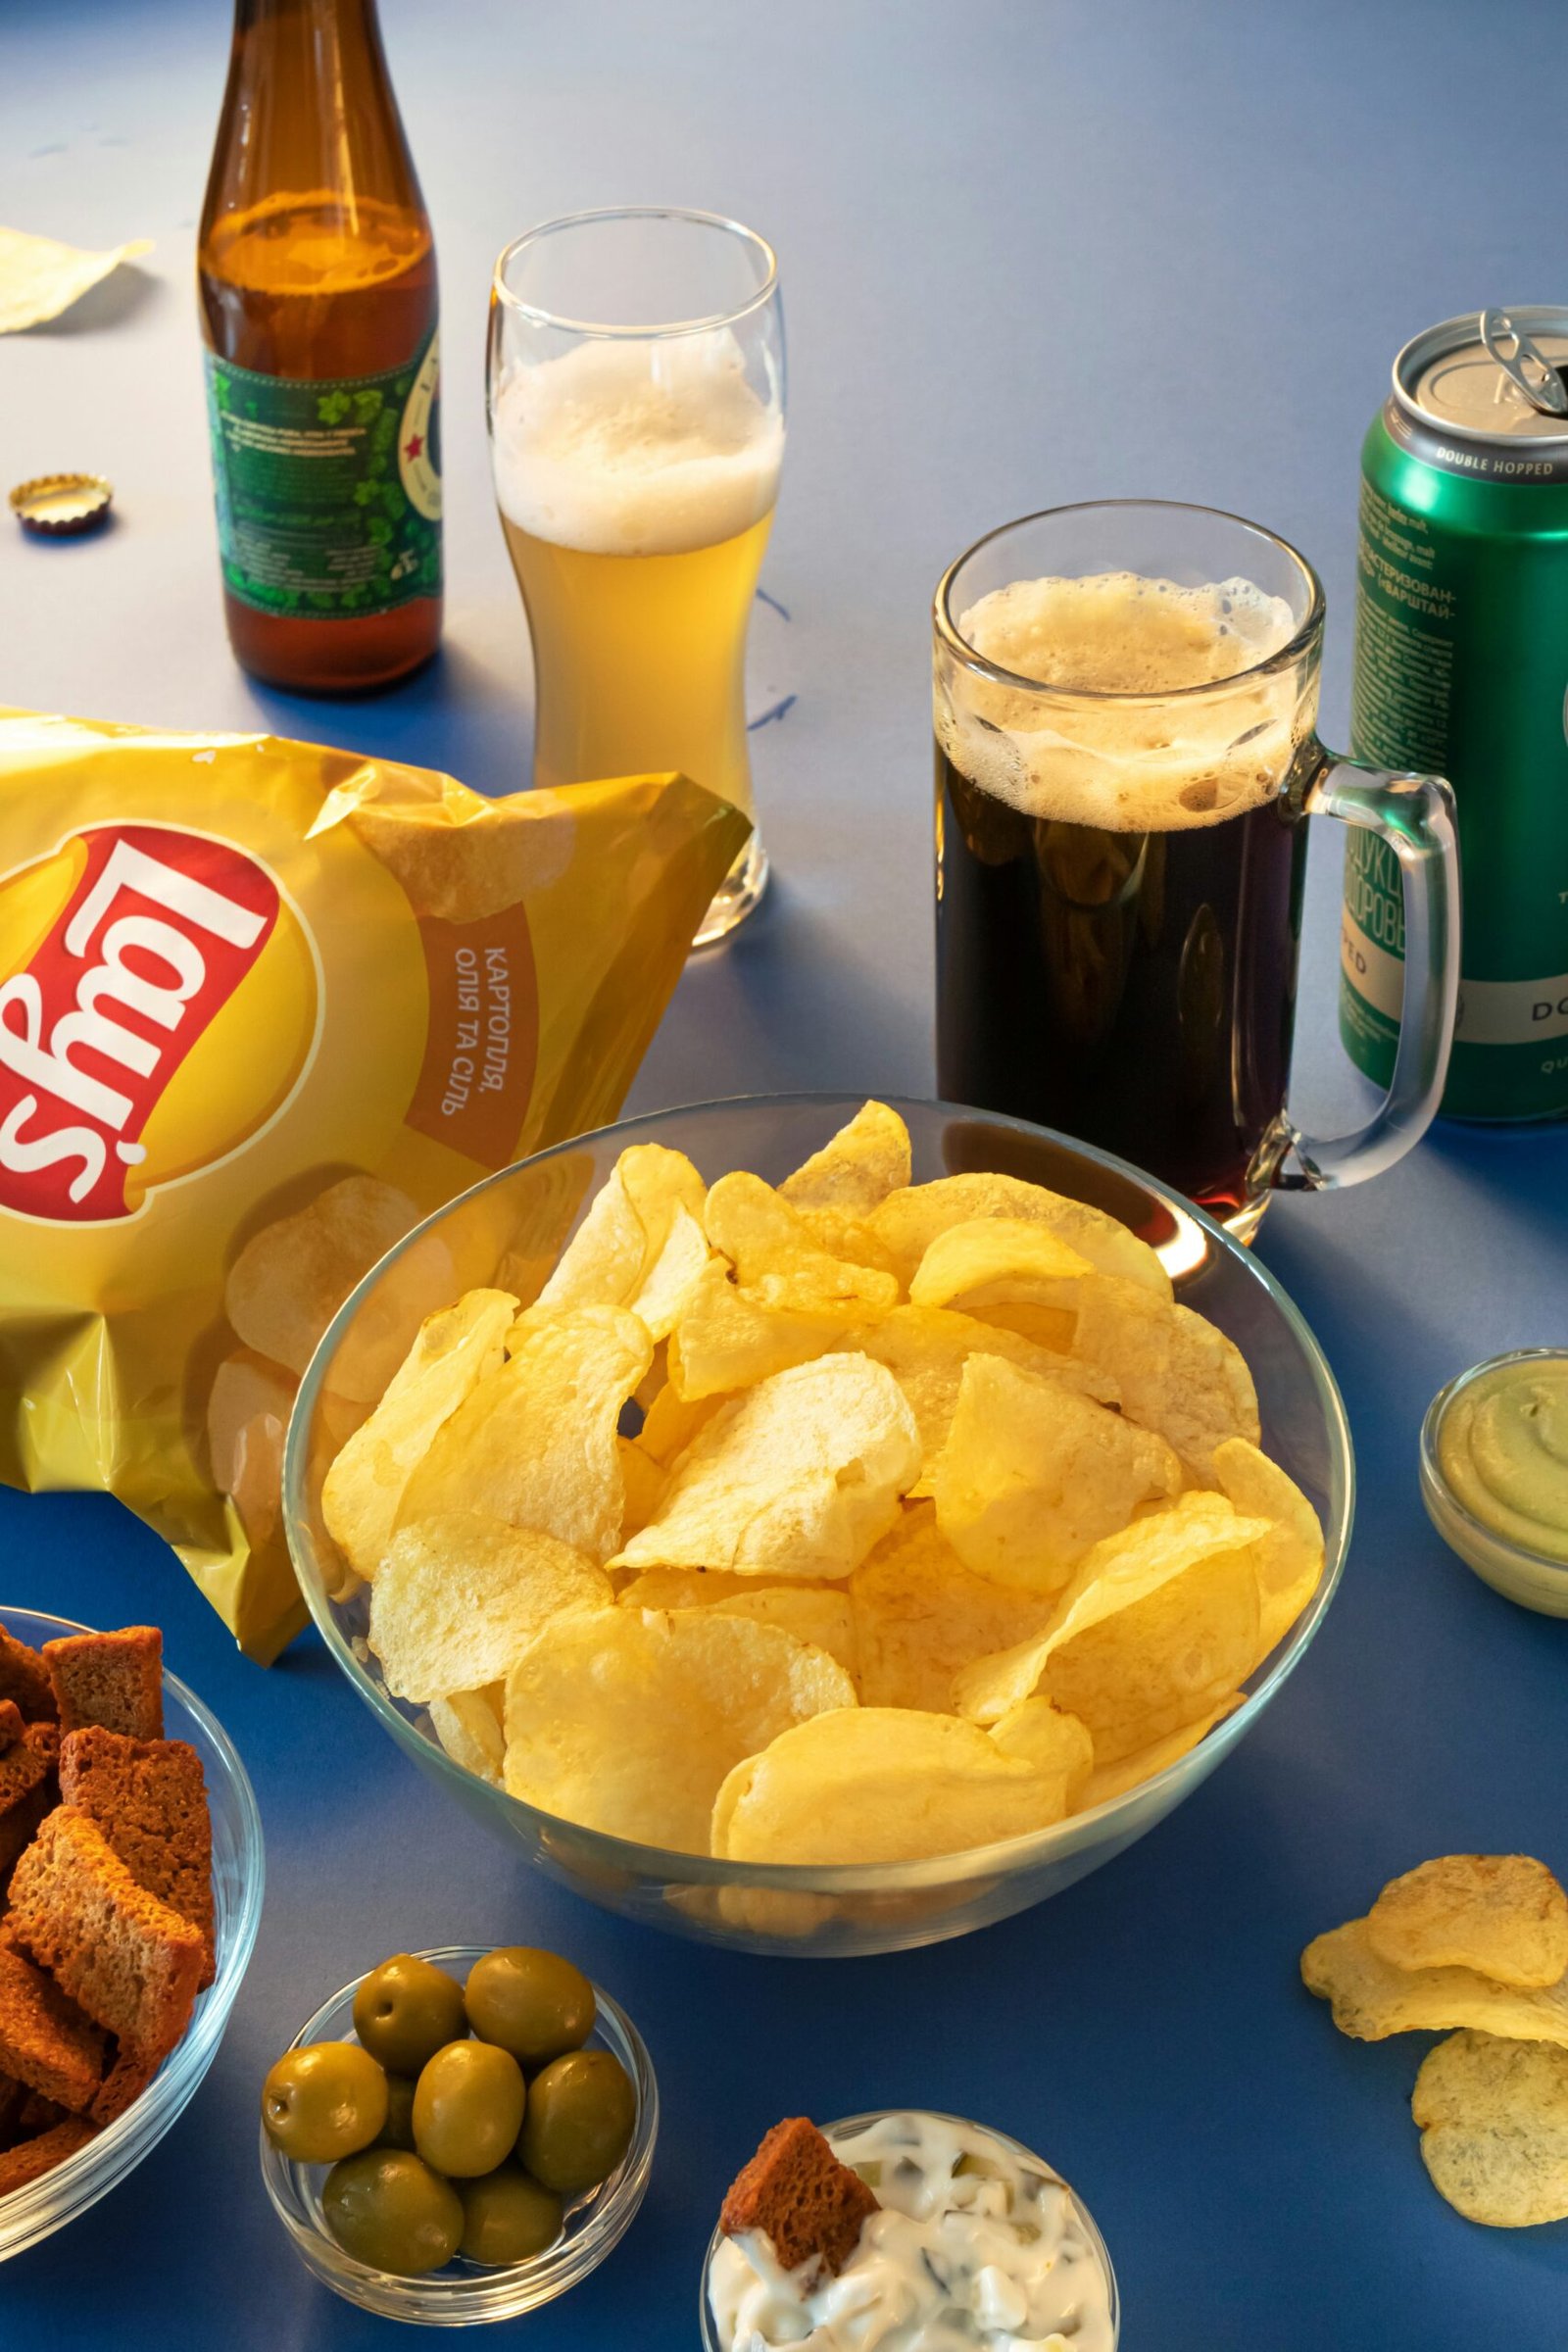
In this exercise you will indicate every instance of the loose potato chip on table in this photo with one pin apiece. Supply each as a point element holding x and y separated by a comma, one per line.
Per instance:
<point>907,1222</point>
<point>1494,2123</point>
<point>1371,1999</point>
<point>798,1477</point>
<point>458,1599</point>
<point>920,1616</point>
<point>629,1721</point>
<point>534,1442</point>
<point>857,1168</point>
<point>1153,1634</point>
<point>454,1350</point>
<point>1503,1915</point>
<point>1033,1474</point>
<point>819,1614</point>
<point>880,1785</point>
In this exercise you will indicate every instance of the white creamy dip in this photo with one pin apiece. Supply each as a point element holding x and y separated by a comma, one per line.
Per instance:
<point>995,2255</point>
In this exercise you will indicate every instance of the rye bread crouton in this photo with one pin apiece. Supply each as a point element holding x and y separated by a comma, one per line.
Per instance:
<point>45,2041</point>
<point>131,1963</point>
<point>30,2159</point>
<point>804,2200</point>
<point>27,1785</point>
<point>128,2078</point>
<point>149,1799</point>
<point>113,1679</point>
<point>24,1679</point>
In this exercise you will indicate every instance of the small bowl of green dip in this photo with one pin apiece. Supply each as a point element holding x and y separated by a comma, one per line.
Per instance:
<point>1495,1474</point>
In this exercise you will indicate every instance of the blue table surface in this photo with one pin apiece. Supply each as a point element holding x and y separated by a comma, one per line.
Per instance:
<point>1031,253</point>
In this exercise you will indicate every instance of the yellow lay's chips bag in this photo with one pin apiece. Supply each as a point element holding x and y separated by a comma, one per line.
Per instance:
<point>263,1006</point>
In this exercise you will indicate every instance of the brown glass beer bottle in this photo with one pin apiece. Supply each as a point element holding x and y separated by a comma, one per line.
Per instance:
<point>318,284</point>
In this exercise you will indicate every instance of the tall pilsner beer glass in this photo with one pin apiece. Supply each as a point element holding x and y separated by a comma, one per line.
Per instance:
<point>636,400</point>
<point>1127,755</point>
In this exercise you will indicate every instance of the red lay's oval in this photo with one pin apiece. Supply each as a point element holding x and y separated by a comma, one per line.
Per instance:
<point>263,1006</point>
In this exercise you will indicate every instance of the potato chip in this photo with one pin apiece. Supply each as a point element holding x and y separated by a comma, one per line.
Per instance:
<point>290,1279</point>
<point>727,1339</point>
<point>776,1258</point>
<point>926,1347</point>
<point>909,1221</point>
<point>39,277</point>
<point>1177,1373</point>
<point>1290,1555</point>
<point>1109,1780</point>
<point>1051,1740</point>
<point>641,1245</point>
<point>994,1267</point>
<point>1494,2123</point>
<point>819,1614</point>
<point>857,1168</point>
<point>1372,1999</point>
<point>643,1482</point>
<point>1503,1915</point>
<point>458,1598</point>
<point>454,1350</point>
<point>1033,1474</point>
<point>1151,1635</point>
<point>799,1477</point>
<point>851,1238</point>
<point>244,1386</point>
<point>879,1784</point>
<point>629,1721</point>
<point>467,1725</point>
<point>920,1615</point>
<point>672,1421</point>
<point>534,1444</point>
<point>255,1476</point>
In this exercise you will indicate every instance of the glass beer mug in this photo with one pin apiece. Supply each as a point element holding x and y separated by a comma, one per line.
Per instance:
<point>1125,706</point>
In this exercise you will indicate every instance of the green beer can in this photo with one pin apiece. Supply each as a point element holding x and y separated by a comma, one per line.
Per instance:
<point>1462,668</point>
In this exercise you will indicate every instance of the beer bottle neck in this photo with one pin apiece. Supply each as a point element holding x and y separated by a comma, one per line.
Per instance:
<point>310,107</point>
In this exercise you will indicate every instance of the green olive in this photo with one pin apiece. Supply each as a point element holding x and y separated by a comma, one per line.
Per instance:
<point>325,2102</point>
<point>581,2113</point>
<point>398,2129</point>
<point>506,2216</point>
<point>389,2210</point>
<point>534,2004</point>
<point>405,2010</point>
<point>467,2106</point>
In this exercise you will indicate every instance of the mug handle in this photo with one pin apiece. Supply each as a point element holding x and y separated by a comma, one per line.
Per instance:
<point>1414,816</point>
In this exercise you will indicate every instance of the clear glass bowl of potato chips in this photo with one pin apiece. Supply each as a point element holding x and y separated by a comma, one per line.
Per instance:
<point>819,1527</point>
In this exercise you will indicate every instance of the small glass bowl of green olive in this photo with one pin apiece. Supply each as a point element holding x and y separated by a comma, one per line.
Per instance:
<point>482,2118</point>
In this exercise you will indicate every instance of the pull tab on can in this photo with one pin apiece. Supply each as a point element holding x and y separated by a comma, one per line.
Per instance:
<point>1523,364</point>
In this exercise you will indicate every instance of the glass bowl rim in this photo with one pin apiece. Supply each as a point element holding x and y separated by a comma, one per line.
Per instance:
<point>661,331</point>
<point>1434,1478</point>
<point>1063,1838</point>
<point>565,2264</point>
<point>190,2060</point>
<point>940,2115</point>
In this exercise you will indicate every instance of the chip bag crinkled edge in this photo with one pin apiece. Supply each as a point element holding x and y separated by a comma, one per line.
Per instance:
<point>245,981</point>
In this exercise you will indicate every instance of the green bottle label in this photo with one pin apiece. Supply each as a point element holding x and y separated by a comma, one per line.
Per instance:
<point>328,491</point>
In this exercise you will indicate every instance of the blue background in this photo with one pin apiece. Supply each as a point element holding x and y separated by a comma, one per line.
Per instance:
<point>1031,253</point>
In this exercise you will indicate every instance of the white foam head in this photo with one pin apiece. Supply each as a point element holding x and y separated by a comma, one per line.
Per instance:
<point>637,448</point>
<point>1142,765</point>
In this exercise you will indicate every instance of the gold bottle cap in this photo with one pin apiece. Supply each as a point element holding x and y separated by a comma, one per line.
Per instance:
<point>60,505</point>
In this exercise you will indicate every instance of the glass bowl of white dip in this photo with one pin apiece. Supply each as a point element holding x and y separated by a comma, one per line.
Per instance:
<point>979,2246</point>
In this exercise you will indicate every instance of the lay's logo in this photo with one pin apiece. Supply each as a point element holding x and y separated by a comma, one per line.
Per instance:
<point>122,948</point>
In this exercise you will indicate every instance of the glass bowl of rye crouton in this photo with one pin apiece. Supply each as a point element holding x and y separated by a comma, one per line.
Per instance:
<point>95,2105</point>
